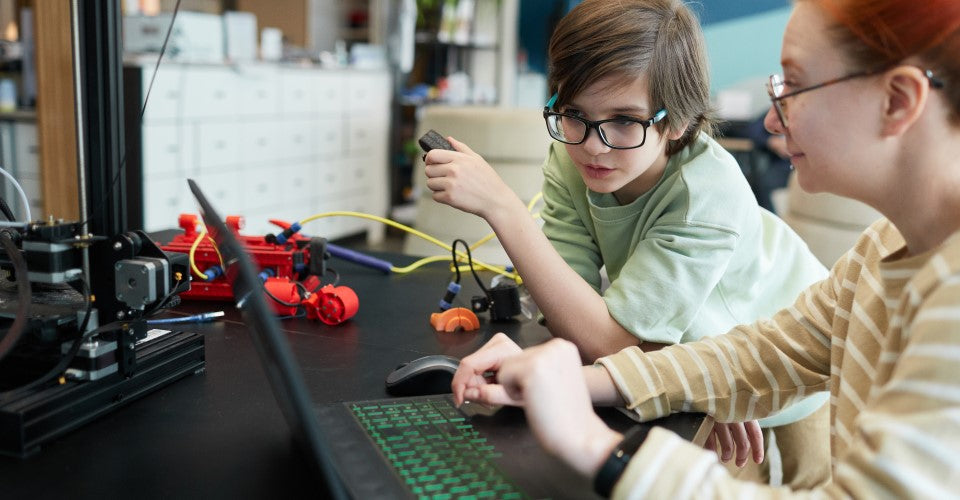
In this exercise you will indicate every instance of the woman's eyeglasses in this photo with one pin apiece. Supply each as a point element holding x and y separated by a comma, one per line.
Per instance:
<point>776,85</point>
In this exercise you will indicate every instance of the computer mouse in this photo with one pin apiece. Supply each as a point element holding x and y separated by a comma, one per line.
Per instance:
<point>422,376</point>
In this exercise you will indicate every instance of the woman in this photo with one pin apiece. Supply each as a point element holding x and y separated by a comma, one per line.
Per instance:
<point>870,107</point>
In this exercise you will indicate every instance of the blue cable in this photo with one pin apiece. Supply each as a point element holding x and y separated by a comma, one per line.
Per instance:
<point>196,318</point>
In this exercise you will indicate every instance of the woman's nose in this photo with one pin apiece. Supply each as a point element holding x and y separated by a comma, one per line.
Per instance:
<point>772,122</point>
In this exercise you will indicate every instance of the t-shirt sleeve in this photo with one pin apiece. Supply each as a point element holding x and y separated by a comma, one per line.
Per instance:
<point>564,227</point>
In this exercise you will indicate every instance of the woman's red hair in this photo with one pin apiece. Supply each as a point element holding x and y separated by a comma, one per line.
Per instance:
<point>881,32</point>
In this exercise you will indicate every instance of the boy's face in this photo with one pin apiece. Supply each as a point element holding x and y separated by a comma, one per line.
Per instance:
<point>627,173</point>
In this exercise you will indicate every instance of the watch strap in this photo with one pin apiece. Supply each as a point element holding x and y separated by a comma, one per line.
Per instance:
<point>616,462</point>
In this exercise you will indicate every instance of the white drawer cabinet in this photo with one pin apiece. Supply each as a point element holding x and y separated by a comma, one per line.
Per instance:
<point>20,158</point>
<point>163,149</point>
<point>266,141</point>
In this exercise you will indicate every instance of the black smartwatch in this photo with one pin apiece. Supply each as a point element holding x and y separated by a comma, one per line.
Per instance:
<point>616,463</point>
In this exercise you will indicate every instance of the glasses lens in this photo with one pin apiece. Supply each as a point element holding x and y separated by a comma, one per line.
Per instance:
<point>566,129</point>
<point>623,133</point>
<point>775,89</point>
<point>776,85</point>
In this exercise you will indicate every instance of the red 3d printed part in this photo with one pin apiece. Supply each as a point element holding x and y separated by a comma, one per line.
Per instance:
<point>332,305</point>
<point>286,261</point>
<point>285,290</point>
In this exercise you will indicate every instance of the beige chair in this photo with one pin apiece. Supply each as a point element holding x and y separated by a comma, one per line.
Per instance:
<point>513,141</point>
<point>828,223</point>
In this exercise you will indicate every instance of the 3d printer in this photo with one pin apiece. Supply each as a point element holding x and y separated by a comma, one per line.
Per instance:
<point>73,349</point>
<point>74,296</point>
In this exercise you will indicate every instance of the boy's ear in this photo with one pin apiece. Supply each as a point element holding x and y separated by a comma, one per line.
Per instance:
<point>675,135</point>
<point>906,91</point>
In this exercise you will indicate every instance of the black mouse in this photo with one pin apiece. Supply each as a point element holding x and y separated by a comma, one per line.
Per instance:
<point>427,375</point>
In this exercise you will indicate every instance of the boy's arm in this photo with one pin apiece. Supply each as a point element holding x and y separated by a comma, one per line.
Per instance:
<point>573,308</point>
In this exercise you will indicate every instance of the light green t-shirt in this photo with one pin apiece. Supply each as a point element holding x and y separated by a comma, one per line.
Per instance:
<point>692,257</point>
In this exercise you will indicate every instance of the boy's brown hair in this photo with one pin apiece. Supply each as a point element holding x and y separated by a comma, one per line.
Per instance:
<point>632,38</point>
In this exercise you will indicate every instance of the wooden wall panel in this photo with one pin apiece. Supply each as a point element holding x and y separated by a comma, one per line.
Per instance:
<point>288,15</point>
<point>56,121</point>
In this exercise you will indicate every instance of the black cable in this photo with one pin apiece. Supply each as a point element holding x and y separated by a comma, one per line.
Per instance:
<point>453,249</point>
<point>161,303</point>
<point>24,293</point>
<point>294,316</point>
<point>277,300</point>
<point>6,210</point>
<point>64,361</point>
<point>143,108</point>
<point>336,277</point>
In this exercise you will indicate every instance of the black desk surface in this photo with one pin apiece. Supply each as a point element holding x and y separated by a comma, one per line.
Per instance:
<point>220,434</point>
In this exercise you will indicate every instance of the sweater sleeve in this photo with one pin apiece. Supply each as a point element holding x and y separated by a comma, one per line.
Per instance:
<point>751,372</point>
<point>905,444</point>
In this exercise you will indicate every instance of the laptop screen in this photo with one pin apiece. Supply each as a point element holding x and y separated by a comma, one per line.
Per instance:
<point>275,354</point>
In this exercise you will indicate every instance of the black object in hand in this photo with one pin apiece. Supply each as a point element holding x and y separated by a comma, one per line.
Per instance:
<point>433,140</point>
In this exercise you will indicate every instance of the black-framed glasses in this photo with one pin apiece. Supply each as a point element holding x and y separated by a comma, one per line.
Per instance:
<point>776,85</point>
<point>617,133</point>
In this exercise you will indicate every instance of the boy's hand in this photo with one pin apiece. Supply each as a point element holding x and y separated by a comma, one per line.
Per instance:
<point>739,437</point>
<point>465,181</point>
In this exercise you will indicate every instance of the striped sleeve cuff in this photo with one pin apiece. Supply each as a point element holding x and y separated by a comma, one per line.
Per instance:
<point>639,383</point>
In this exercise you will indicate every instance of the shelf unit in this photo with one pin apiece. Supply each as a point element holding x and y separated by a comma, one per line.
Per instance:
<point>490,61</point>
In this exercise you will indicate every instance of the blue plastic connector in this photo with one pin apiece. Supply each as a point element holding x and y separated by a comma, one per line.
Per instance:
<point>213,272</point>
<point>288,232</point>
<point>447,301</point>
<point>266,273</point>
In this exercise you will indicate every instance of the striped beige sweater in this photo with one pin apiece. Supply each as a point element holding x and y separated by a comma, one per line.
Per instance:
<point>882,334</point>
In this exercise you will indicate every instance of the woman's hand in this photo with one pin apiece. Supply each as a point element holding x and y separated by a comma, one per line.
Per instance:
<point>465,181</point>
<point>739,438</point>
<point>548,380</point>
<point>470,382</point>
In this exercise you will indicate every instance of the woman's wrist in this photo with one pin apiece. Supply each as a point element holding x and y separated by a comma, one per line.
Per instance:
<point>603,392</point>
<point>593,449</point>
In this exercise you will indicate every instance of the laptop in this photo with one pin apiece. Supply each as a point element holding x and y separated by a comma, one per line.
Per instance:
<point>411,447</point>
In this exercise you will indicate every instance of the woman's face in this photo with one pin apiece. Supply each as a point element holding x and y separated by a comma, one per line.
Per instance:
<point>627,173</point>
<point>832,130</point>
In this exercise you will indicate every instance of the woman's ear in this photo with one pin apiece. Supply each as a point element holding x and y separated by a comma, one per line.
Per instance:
<point>906,91</point>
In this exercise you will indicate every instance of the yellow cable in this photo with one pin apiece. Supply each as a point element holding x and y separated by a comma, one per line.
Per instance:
<point>420,263</point>
<point>193,250</point>
<point>431,239</point>
<point>534,200</point>
<point>490,236</point>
